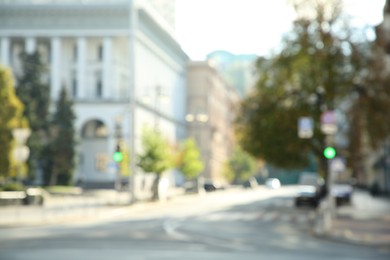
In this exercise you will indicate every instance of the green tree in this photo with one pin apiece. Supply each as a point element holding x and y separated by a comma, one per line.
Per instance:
<point>189,161</point>
<point>315,70</point>
<point>11,110</point>
<point>61,151</point>
<point>35,95</point>
<point>156,156</point>
<point>240,166</point>
<point>368,113</point>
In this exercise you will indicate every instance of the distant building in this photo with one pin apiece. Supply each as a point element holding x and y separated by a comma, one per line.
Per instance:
<point>211,108</point>
<point>101,51</point>
<point>237,70</point>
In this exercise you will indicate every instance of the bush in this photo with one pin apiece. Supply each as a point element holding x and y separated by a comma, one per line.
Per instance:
<point>12,186</point>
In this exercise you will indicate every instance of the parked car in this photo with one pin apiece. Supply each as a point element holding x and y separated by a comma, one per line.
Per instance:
<point>307,196</point>
<point>208,186</point>
<point>251,183</point>
<point>272,183</point>
<point>342,192</point>
<point>313,179</point>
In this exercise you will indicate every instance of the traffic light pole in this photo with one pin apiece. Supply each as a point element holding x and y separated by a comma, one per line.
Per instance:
<point>329,154</point>
<point>118,156</point>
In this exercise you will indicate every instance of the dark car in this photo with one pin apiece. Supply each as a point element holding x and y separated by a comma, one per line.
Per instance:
<point>342,192</point>
<point>208,186</point>
<point>307,196</point>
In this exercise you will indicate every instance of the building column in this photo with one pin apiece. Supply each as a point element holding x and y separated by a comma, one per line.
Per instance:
<point>81,67</point>
<point>55,75</point>
<point>30,45</point>
<point>107,67</point>
<point>5,51</point>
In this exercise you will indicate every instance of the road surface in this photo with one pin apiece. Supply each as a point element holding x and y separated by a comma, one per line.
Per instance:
<point>237,224</point>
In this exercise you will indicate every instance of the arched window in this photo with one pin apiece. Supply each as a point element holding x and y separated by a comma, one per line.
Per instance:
<point>94,129</point>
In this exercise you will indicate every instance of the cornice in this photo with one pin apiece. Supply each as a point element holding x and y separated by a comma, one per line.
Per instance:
<point>159,35</point>
<point>63,16</point>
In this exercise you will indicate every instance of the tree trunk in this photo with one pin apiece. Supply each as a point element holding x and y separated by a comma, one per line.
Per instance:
<point>155,187</point>
<point>53,178</point>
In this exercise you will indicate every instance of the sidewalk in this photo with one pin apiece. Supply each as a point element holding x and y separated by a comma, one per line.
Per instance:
<point>366,221</point>
<point>57,208</point>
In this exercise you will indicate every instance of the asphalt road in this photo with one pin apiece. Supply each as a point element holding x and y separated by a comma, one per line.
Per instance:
<point>246,224</point>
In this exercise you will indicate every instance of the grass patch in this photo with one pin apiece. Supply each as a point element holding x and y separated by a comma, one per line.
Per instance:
<point>66,190</point>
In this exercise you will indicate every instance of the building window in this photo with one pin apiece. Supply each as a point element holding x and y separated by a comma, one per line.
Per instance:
<point>123,86</point>
<point>74,84</point>
<point>75,52</point>
<point>99,85</point>
<point>100,53</point>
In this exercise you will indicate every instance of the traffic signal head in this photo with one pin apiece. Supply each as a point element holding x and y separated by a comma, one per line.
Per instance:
<point>329,152</point>
<point>118,156</point>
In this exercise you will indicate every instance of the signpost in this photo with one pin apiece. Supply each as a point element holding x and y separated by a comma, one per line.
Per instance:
<point>305,127</point>
<point>328,122</point>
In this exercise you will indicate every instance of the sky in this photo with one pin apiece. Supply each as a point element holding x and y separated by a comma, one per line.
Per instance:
<point>248,26</point>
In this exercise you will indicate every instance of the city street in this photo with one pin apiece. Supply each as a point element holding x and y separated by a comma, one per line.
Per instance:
<point>234,224</point>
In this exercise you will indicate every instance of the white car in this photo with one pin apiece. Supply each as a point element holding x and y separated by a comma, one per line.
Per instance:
<point>272,183</point>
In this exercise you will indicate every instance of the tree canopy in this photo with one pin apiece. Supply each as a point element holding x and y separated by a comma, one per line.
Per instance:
<point>61,151</point>
<point>240,166</point>
<point>35,95</point>
<point>189,161</point>
<point>11,111</point>
<point>156,156</point>
<point>316,70</point>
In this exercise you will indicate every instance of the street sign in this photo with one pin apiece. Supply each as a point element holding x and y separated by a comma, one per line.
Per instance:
<point>337,165</point>
<point>305,127</point>
<point>328,122</point>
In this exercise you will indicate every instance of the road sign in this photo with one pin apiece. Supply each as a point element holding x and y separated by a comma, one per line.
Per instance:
<point>328,122</point>
<point>337,165</point>
<point>305,127</point>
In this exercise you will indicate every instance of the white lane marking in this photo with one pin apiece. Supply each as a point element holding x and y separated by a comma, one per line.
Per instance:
<point>171,228</point>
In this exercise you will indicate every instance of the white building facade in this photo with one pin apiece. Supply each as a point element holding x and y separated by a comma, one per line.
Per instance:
<point>104,53</point>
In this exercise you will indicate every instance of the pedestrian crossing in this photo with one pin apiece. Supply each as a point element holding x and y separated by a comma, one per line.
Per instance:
<point>260,216</point>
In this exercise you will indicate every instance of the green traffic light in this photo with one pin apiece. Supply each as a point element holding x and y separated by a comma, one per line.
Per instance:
<point>118,156</point>
<point>329,152</point>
